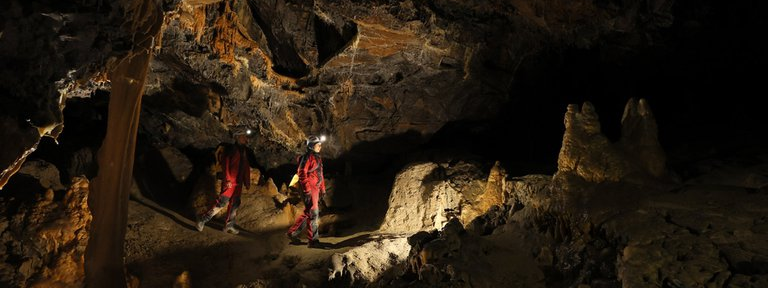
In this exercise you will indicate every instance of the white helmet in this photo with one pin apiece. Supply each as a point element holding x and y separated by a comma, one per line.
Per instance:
<point>312,140</point>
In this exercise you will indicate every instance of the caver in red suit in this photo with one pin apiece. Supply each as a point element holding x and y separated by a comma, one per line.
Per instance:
<point>236,175</point>
<point>310,171</point>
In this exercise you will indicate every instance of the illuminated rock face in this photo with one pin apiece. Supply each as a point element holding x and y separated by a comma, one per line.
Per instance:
<point>588,154</point>
<point>43,241</point>
<point>360,72</point>
<point>368,263</point>
<point>421,199</point>
<point>426,196</point>
<point>356,77</point>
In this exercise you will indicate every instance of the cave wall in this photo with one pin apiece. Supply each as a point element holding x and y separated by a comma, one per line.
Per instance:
<point>359,72</point>
<point>362,72</point>
<point>50,51</point>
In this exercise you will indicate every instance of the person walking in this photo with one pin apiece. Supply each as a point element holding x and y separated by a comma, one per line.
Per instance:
<point>236,174</point>
<point>311,182</point>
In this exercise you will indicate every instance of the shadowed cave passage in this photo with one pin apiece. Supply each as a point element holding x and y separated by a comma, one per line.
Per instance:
<point>286,60</point>
<point>331,36</point>
<point>331,39</point>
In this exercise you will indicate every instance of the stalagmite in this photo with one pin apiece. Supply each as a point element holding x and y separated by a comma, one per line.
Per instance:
<point>110,189</point>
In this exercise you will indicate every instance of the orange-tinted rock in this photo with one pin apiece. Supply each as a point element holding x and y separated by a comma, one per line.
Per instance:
<point>48,238</point>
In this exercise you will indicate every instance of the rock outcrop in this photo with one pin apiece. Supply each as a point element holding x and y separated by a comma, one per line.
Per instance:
<point>606,219</point>
<point>263,211</point>
<point>426,195</point>
<point>418,200</point>
<point>591,167</point>
<point>640,140</point>
<point>588,154</point>
<point>494,195</point>
<point>454,258</point>
<point>611,216</point>
<point>361,266</point>
<point>46,174</point>
<point>43,240</point>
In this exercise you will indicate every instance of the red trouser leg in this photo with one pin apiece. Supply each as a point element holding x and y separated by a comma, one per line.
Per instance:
<point>232,206</point>
<point>310,214</point>
<point>227,197</point>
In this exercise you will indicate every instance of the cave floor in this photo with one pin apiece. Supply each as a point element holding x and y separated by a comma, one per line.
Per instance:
<point>719,205</point>
<point>161,245</point>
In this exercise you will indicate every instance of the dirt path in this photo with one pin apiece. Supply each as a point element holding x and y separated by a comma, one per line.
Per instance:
<point>160,245</point>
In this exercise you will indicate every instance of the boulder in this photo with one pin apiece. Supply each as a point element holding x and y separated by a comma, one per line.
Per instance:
<point>46,173</point>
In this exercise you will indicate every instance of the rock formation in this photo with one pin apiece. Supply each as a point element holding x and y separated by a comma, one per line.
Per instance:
<point>454,258</point>
<point>595,223</point>
<point>351,70</point>
<point>368,263</point>
<point>494,195</point>
<point>588,154</point>
<point>180,165</point>
<point>46,174</point>
<point>639,138</point>
<point>426,195</point>
<point>43,239</point>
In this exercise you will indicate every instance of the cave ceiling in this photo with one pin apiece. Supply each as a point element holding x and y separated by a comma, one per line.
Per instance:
<point>357,71</point>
